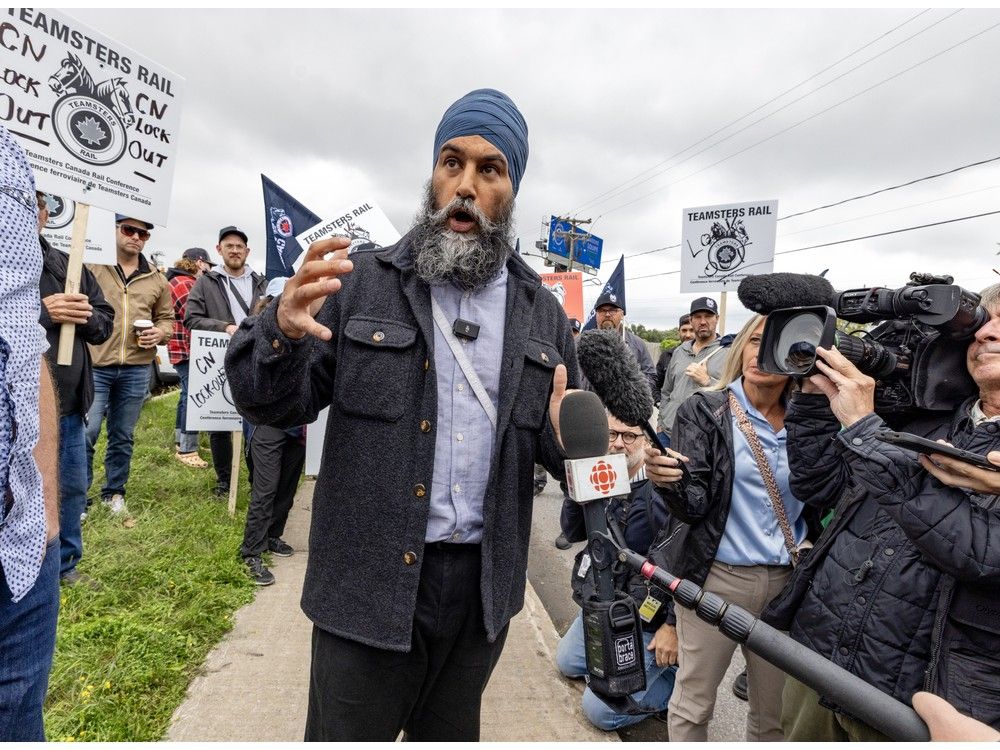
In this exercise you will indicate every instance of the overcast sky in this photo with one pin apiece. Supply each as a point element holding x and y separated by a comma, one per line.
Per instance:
<point>336,105</point>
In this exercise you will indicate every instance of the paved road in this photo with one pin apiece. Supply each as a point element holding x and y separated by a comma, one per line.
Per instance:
<point>549,571</point>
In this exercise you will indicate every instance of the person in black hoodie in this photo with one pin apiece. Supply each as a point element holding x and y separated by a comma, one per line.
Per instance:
<point>94,319</point>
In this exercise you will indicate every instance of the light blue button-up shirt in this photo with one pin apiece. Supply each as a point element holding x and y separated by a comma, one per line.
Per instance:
<point>465,438</point>
<point>752,535</point>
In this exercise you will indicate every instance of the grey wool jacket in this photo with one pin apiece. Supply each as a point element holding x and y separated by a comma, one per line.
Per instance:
<point>377,374</point>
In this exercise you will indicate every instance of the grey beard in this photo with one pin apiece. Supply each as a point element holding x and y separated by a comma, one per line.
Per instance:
<point>471,261</point>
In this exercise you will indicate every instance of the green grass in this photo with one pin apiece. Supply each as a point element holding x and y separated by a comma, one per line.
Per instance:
<point>171,583</point>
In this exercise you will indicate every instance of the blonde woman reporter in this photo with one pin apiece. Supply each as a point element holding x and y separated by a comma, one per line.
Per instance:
<point>744,528</point>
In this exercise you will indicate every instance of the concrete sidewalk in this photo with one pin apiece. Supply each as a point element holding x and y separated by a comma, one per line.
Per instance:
<point>254,684</point>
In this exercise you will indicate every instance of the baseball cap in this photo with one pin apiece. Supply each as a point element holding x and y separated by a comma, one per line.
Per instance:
<point>609,298</point>
<point>706,304</point>
<point>575,325</point>
<point>197,253</point>
<point>232,230</point>
<point>119,218</point>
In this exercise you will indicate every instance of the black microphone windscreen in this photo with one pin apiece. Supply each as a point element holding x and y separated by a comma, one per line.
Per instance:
<point>613,372</point>
<point>767,292</point>
<point>583,425</point>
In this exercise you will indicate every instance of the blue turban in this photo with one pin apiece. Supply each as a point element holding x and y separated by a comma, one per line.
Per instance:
<point>491,114</point>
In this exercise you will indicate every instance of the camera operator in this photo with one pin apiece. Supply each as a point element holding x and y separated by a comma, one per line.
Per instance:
<point>745,529</point>
<point>639,516</point>
<point>901,588</point>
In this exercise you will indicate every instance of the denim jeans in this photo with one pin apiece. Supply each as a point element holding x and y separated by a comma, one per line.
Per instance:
<point>187,442</point>
<point>27,640</point>
<point>72,489</point>
<point>572,662</point>
<point>119,392</point>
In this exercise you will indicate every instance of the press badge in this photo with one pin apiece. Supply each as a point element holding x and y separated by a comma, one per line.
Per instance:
<point>584,566</point>
<point>649,608</point>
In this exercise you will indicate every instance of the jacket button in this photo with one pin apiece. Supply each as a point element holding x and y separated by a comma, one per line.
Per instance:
<point>844,650</point>
<point>890,551</point>
<point>857,441</point>
<point>425,426</point>
<point>419,490</point>
<point>545,357</point>
<point>409,558</point>
<point>276,345</point>
<point>861,600</point>
<point>427,365</point>
<point>378,336</point>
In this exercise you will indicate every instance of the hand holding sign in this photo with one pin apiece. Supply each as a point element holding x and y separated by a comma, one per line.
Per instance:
<point>308,289</point>
<point>68,308</point>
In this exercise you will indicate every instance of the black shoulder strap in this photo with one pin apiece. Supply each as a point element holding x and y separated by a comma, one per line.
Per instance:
<point>239,299</point>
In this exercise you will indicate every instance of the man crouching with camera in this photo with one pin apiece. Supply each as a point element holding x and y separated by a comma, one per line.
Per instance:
<point>902,587</point>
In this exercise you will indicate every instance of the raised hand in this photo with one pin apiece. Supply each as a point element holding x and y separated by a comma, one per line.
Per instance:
<point>305,293</point>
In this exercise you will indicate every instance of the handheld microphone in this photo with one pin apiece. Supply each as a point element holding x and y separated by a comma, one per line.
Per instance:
<point>611,628</point>
<point>613,372</point>
<point>767,292</point>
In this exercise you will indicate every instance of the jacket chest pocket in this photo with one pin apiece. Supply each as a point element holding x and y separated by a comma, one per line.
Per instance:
<point>375,368</point>
<point>532,403</point>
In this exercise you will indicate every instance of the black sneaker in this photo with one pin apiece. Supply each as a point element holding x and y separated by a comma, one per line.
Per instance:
<point>220,491</point>
<point>261,575</point>
<point>740,686</point>
<point>280,547</point>
<point>562,542</point>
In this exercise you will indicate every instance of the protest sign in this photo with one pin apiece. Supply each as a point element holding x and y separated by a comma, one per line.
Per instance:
<point>100,243</point>
<point>363,223</point>
<point>721,245</point>
<point>210,406</point>
<point>98,121</point>
<point>568,289</point>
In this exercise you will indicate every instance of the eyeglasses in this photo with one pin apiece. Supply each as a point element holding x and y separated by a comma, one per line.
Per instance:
<point>608,310</point>
<point>627,437</point>
<point>130,231</point>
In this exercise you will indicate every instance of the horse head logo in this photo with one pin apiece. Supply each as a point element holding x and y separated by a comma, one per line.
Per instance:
<point>70,76</point>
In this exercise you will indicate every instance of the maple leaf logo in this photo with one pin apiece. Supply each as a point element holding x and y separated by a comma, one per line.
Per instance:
<point>91,131</point>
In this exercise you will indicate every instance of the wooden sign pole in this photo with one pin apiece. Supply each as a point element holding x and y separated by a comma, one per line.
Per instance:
<point>722,314</point>
<point>234,479</point>
<point>73,273</point>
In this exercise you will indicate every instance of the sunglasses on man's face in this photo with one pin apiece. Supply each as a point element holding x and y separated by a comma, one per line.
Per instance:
<point>130,231</point>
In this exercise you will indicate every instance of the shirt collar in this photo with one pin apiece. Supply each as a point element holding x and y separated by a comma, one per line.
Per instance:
<point>978,416</point>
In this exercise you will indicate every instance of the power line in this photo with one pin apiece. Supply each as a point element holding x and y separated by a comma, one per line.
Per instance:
<point>854,198</point>
<point>751,112</point>
<point>893,187</point>
<point>842,242</point>
<point>805,120</point>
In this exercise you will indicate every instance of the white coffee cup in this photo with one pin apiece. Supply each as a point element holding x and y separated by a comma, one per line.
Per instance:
<point>141,325</point>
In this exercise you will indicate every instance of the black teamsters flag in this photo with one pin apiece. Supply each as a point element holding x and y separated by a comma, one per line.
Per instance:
<point>284,218</point>
<point>615,286</point>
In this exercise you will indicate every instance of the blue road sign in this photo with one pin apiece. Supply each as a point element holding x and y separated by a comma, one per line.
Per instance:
<point>586,252</point>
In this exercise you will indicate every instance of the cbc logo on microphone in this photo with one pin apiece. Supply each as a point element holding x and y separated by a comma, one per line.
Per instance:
<point>603,477</point>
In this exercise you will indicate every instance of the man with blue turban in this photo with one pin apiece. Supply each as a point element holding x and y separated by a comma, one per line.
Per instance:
<point>444,365</point>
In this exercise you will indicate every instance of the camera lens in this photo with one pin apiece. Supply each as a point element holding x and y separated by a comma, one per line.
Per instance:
<point>795,350</point>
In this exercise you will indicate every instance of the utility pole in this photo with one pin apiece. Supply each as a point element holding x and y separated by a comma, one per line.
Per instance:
<point>572,237</point>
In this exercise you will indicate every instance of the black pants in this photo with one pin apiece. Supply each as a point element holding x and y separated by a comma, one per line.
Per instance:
<point>221,444</point>
<point>360,693</point>
<point>276,460</point>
